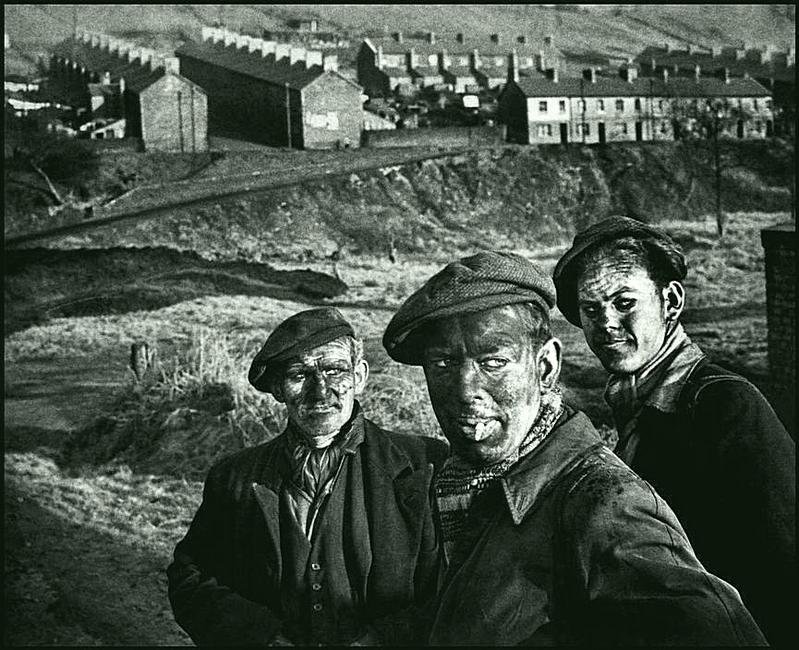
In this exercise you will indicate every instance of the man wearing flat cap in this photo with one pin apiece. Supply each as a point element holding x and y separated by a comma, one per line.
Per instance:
<point>705,438</point>
<point>324,535</point>
<point>549,538</point>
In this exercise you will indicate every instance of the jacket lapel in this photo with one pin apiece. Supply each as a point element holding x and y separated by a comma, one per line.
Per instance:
<point>266,489</point>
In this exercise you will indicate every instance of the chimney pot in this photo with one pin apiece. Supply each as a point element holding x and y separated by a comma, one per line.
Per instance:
<point>459,37</point>
<point>665,72</point>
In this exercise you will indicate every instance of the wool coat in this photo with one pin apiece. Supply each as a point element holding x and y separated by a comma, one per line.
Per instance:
<point>226,583</point>
<point>574,548</point>
<point>726,465</point>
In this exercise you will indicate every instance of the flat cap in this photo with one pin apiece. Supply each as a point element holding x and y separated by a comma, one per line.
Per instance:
<point>482,281</point>
<point>604,231</point>
<point>299,333</point>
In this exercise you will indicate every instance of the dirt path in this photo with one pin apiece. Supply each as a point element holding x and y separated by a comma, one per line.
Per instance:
<point>67,580</point>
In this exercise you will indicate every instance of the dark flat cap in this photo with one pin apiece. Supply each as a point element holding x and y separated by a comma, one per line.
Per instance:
<point>604,231</point>
<point>298,333</point>
<point>482,281</point>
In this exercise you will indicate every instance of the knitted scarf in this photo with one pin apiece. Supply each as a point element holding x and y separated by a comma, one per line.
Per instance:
<point>658,383</point>
<point>459,483</point>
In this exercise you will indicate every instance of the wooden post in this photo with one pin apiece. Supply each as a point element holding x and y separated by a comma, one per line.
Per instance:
<point>288,116</point>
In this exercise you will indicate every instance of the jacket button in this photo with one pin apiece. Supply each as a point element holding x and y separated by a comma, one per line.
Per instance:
<point>315,566</point>
<point>317,607</point>
<point>316,586</point>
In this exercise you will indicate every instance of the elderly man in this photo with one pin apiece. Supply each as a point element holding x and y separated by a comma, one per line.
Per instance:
<point>704,437</point>
<point>323,535</point>
<point>549,538</point>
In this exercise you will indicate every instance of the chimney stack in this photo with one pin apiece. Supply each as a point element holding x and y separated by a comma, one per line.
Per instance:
<point>552,74</point>
<point>667,47</point>
<point>242,42</point>
<point>397,36</point>
<point>716,51</point>
<point>725,75</point>
<point>476,63</point>
<point>495,38</point>
<point>268,47</point>
<point>282,51</point>
<point>548,41</point>
<point>665,72</point>
<point>255,45</point>
<point>459,38</point>
<point>106,81</point>
<point>122,85</point>
<point>443,60</point>
<point>296,54</point>
<point>431,37</point>
<point>513,66</point>
<point>589,74</point>
<point>629,73</point>
<point>330,62</point>
<point>312,58</point>
<point>697,71</point>
<point>522,39</point>
<point>171,64</point>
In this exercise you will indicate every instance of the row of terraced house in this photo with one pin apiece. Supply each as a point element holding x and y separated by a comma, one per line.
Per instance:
<point>599,108</point>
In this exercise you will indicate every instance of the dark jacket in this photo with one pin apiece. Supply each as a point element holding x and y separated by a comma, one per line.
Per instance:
<point>727,467</point>
<point>225,580</point>
<point>577,549</point>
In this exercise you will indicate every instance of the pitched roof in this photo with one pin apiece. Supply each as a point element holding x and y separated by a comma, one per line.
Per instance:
<point>98,60</point>
<point>254,64</point>
<point>459,71</point>
<point>641,87</point>
<point>448,42</point>
<point>707,62</point>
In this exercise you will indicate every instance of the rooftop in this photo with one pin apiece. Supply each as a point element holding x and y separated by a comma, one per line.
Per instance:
<point>641,87</point>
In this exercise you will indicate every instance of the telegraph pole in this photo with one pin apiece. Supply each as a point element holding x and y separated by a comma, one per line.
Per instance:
<point>288,115</point>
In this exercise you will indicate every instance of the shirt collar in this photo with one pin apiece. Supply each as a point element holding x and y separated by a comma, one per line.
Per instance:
<point>535,473</point>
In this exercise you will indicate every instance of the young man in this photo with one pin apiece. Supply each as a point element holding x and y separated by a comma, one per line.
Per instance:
<point>704,437</point>
<point>549,538</point>
<point>324,535</point>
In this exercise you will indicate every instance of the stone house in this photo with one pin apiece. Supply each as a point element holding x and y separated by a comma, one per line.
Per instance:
<point>273,93</point>
<point>113,79</point>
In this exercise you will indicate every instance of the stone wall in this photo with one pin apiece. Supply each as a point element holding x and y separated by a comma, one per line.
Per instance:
<point>779,243</point>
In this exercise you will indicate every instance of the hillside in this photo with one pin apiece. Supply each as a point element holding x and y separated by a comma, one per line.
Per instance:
<point>618,30</point>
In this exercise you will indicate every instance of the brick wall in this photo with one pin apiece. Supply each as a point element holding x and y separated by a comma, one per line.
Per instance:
<point>780,248</point>
<point>779,243</point>
<point>174,116</point>
<point>332,113</point>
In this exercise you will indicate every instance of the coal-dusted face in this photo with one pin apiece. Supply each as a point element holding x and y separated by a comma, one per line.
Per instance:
<point>624,314</point>
<point>485,375</point>
<point>319,387</point>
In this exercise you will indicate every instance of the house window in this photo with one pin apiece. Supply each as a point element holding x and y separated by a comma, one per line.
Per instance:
<point>664,127</point>
<point>758,126</point>
<point>660,105</point>
<point>600,105</point>
<point>581,105</point>
<point>583,129</point>
<point>499,61</point>
<point>562,106</point>
<point>542,107</point>
<point>622,128</point>
<point>754,104</point>
<point>619,105</point>
<point>544,130</point>
<point>769,104</point>
<point>637,104</point>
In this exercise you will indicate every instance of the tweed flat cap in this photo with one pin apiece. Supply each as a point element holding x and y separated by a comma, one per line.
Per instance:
<point>299,333</point>
<point>604,231</point>
<point>482,281</point>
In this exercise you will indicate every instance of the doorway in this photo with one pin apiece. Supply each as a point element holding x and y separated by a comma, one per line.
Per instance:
<point>601,131</point>
<point>564,133</point>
